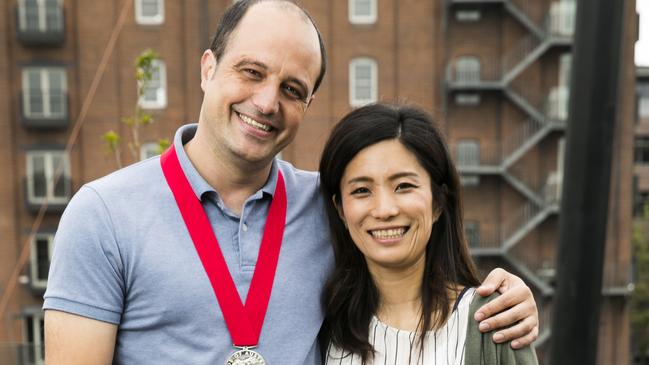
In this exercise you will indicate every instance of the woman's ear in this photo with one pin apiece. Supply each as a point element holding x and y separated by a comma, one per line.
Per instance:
<point>339,209</point>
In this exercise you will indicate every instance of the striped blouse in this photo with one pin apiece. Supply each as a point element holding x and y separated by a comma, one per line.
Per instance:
<point>393,346</point>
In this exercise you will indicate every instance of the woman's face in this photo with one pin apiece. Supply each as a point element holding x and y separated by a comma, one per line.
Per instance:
<point>387,205</point>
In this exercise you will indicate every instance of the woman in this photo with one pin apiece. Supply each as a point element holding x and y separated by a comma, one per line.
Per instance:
<point>402,291</point>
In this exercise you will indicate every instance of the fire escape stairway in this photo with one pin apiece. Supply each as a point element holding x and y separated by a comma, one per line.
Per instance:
<point>527,219</point>
<point>523,103</point>
<point>519,9</point>
<point>522,56</point>
<point>521,141</point>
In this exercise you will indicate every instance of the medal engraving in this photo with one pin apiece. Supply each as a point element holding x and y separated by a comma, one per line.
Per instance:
<point>245,357</point>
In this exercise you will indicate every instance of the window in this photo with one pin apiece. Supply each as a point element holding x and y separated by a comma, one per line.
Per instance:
<point>469,180</point>
<point>562,17</point>
<point>640,199</point>
<point>643,99</point>
<point>41,256</point>
<point>363,84</point>
<point>468,153</point>
<point>34,352</point>
<point>565,66</point>
<point>641,153</point>
<point>467,99</point>
<point>472,233</point>
<point>44,92</point>
<point>362,11</point>
<point>40,15</point>
<point>148,150</point>
<point>468,15</point>
<point>155,94</point>
<point>467,69</point>
<point>43,184</point>
<point>149,12</point>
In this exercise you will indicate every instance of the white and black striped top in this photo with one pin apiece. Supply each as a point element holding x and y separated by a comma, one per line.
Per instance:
<point>399,347</point>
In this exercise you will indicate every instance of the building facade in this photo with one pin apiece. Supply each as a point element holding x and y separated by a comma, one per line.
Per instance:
<point>494,73</point>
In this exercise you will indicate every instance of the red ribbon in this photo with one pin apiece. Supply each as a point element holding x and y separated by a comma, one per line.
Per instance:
<point>244,322</point>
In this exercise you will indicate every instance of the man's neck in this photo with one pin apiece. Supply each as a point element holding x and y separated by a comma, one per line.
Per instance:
<point>233,181</point>
<point>400,296</point>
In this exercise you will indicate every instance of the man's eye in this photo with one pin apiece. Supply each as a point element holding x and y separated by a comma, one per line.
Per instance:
<point>252,73</point>
<point>293,92</point>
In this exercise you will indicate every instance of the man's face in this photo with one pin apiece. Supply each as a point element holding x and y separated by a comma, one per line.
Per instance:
<point>257,94</point>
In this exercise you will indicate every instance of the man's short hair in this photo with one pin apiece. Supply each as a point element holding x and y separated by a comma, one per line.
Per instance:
<point>233,16</point>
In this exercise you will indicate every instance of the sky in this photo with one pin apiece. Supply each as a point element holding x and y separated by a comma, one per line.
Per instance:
<point>642,46</point>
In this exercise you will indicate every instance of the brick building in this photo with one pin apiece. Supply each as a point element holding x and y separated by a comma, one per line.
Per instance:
<point>495,73</point>
<point>641,154</point>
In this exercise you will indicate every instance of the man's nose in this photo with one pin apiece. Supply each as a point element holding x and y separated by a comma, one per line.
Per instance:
<point>266,98</point>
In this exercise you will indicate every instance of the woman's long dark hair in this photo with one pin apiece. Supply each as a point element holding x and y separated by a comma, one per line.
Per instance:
<point>351,297</point>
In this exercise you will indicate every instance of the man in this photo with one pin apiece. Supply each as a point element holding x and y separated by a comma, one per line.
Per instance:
<point>131,283</point>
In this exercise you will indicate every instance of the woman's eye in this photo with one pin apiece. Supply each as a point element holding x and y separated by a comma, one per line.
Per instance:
<point>360,191</point>
<point>403,186</point>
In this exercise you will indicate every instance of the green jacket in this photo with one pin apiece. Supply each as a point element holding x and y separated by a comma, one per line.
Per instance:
<point>481,350</point>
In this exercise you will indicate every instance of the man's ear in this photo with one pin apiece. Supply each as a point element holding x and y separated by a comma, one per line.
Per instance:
<point>339,209</point>
<point>208,67</point>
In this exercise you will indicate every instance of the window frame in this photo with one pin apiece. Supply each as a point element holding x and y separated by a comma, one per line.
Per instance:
<point>468,99</point>
<point>354,100</point>
<point>149,20</point>
<point>466,74</point>
<point>37,345</point>
<point>641,150</point>
<point>468,158</point>
<point>146,150</point>
<point>468,15</point>
<point>35,281</point>
<point>472,233</point>
<point>46,73</point>
<point>49,172</point>
<point>642,92</point>
<point>161,88</point>
<point>361,19</point>
<point>41,6</point>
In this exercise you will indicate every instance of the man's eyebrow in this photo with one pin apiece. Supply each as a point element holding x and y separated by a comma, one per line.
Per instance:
<point>246,61</point>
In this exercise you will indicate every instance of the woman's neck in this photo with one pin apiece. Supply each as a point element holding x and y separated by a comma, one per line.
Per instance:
<point>399,295</point>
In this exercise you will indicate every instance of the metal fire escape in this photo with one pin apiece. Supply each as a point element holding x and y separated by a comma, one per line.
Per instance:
<point>544,114</point>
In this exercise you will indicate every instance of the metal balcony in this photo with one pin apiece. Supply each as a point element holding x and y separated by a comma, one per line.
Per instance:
<point>40,25</point>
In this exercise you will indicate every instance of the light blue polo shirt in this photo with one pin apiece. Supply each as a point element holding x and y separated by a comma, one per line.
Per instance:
<point>122,254</point>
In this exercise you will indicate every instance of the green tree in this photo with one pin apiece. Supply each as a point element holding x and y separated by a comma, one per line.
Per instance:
<point>143,75</point>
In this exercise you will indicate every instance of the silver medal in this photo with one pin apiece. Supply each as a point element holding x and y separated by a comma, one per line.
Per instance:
<point>245,356</point>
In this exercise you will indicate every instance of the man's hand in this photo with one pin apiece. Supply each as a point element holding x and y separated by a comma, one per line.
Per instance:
<point>515,306</point>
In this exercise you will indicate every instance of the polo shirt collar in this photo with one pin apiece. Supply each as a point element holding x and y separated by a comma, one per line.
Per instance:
<point>183,135</point>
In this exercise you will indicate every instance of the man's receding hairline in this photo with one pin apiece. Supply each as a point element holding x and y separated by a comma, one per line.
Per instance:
<point>283,4</point>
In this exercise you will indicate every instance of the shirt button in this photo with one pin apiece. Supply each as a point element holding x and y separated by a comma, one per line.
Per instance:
<point>245,227</point>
